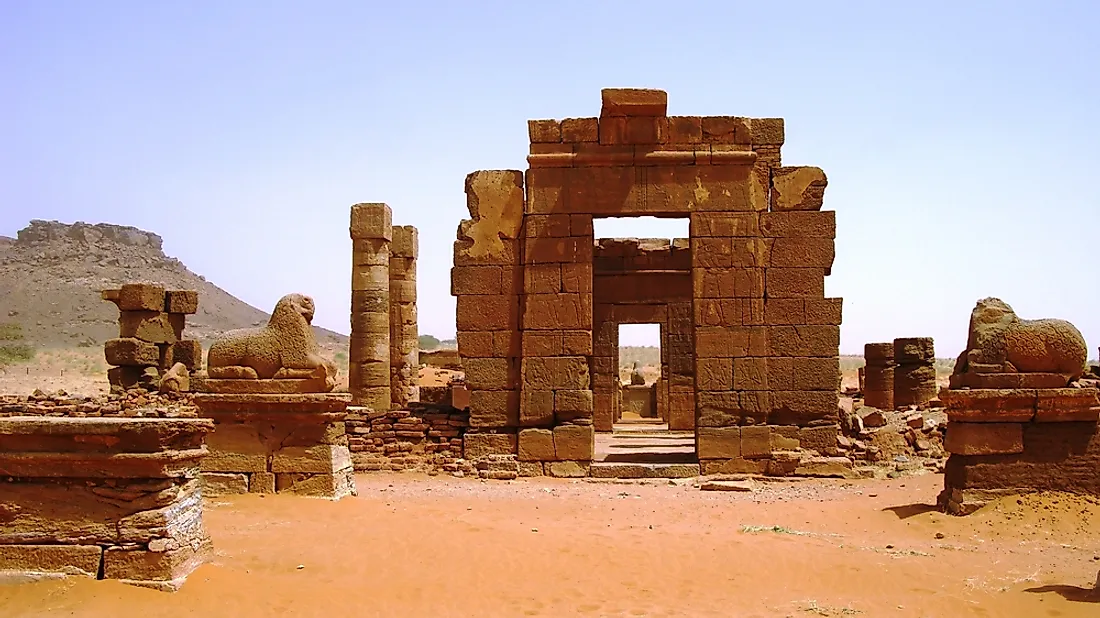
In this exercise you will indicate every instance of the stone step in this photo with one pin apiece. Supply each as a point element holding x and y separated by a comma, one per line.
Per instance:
<point>610,470</point>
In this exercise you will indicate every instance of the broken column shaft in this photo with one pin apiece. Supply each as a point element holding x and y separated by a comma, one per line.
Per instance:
<point>404,336</point>
<point>369,354</point>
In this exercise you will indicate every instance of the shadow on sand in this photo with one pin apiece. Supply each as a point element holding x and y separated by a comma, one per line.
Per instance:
<point>1071,593</point>
<point>905,511</point>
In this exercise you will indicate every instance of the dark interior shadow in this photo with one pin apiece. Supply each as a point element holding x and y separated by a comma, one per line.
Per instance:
<point>905,511</point>
<point>1070,593</point>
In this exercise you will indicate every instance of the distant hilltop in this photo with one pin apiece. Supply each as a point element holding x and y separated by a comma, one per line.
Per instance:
<point>52,272</point>
<point>45,231</point>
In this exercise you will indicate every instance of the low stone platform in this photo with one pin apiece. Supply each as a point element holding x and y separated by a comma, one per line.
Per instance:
<point>1014,441</point>
<point>108,498</point>
<point>265,443</point>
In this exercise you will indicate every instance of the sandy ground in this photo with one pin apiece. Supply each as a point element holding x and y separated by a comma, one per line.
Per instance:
<point>435,546</point>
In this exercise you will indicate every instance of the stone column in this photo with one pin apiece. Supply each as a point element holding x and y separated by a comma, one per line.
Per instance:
<point>404,336</point>
<point>369,354</point>
<point>879,376</point>
<point>915,373</point>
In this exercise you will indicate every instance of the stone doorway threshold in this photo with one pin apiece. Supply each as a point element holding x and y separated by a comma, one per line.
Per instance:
<point>645,448</point>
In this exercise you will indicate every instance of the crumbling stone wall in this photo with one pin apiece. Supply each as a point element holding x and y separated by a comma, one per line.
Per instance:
<point>427,436</point>
<point>764,337</point>
<point>151,323</point>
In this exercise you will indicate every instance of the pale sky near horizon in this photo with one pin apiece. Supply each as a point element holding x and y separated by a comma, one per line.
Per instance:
<point>960,139</point>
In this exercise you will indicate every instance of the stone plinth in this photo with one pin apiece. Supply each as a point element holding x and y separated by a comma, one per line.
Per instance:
<point>108,498</point>
<point>639,400</point>
<point>278,444</point>
<point>1013,441</point>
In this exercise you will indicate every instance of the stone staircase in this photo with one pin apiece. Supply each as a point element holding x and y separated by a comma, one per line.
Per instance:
<point>645,448</point>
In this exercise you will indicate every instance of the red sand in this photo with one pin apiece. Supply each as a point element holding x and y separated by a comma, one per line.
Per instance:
<point>418,546</point>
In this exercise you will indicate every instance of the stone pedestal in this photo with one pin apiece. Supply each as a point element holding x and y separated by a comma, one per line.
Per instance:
<point>1013,441</point>
<point>108,498</point>
<point>638,399</point>
<point>277,444</point>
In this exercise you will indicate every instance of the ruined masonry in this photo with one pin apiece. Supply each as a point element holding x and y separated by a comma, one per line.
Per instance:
<point>150,341</point>
<point>878,375</point>
<point>914,371</point>
<point>753,361</point>
<point>106,498</point>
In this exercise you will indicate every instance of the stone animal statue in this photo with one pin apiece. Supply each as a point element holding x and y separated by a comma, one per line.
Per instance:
<point>1000,341</point>
<point>285,348</point>
<point>636,377</point>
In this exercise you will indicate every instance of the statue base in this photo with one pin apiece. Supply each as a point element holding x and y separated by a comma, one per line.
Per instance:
<point>277,443</point>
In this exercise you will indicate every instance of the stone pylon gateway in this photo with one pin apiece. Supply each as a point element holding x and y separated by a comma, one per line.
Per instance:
<point>761,373</point>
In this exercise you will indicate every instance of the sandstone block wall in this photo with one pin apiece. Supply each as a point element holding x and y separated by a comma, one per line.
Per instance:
<point>151,324</point>
<point>107,498</point>
<point>425,437</point>
<point>764,338</point>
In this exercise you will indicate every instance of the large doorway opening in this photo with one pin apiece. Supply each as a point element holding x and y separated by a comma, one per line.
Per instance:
<point>643,359</point>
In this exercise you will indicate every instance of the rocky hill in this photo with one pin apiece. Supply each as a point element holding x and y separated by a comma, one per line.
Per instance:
<point>51,275</point>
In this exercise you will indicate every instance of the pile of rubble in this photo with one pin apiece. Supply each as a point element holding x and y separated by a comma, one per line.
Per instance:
<point>134,402</point>
<point>904,441</point>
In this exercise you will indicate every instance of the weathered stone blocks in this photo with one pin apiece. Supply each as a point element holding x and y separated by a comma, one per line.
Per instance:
<point>276,443</point>
<point>914,371</point>
<point>115,498</point>
<point>151,324</point>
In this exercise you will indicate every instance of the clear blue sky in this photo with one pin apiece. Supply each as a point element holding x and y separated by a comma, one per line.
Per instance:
<point>960,138</point>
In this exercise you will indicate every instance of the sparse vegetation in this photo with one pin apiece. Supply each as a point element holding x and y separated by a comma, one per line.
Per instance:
<point>647,356</point>
<point>13,349</point>
<point>429,342</point>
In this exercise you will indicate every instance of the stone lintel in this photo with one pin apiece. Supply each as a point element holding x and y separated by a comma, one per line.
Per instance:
<point>641,156</point>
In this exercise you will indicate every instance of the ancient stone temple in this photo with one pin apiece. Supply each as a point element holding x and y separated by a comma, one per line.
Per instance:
<point>752,340</point>
<point>1018,421</point>
<point>278,428</point>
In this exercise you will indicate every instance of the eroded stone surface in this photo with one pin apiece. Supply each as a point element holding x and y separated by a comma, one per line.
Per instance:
<point>284,349</point>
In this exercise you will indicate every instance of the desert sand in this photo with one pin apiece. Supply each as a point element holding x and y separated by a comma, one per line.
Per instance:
<point>412,545</point>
